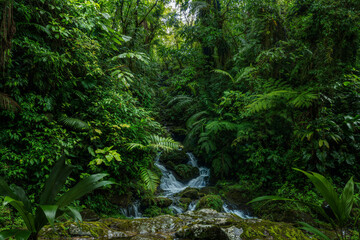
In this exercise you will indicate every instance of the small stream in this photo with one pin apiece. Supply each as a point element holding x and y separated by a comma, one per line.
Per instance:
<point>170,186</point>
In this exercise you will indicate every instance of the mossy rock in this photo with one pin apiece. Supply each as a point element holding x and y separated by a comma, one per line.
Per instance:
<point>177,157</point>
<point>211,201</point>
<point>184,202</point>
<point>185,172</point>
<point>191,193</point>
<point>161,202</point>
<point>155,211</point>
<point>89,215</point>
<point>202,224</point>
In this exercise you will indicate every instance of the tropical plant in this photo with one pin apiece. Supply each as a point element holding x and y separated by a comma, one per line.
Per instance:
<point>341,206</point>
<point>50,206</point>
<point>150,179</point>
<point>156,143</point>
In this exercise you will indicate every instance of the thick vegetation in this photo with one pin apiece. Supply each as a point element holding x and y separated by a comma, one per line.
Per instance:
<point>255,87</point>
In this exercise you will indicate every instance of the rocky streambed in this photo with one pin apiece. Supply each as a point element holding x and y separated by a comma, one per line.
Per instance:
<point>202,224</point>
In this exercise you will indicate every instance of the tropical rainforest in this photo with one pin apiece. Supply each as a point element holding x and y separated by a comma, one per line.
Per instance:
<point>254,88</point>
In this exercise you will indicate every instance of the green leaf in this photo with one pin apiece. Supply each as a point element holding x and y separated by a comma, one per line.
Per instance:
<point>83,187</point>
<point>313,230</point>
<point>26,216</point>
<point>272,198</point>
<point>50,212</point>
<point>74,213</point>
<point>59,173</point>
<point>150,179</point>
<point>19,234</point>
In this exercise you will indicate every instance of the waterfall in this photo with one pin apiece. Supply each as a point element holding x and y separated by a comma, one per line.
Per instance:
<point>170,186</point>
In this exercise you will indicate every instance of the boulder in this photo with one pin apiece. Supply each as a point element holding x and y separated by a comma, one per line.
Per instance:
<point>161,202</point>
<point>191,193</point>
<point>184,172</point>
<point>211,201</point>
<point>203,224</point>
<point>89,215</point>
<point>177,157</point>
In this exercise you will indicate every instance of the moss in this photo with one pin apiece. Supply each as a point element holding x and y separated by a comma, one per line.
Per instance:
<point>210,201</point>
<point>154,211</point>
<point>263,229</point>
<point>186,172</point>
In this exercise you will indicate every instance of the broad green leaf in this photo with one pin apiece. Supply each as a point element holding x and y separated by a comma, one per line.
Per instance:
<point>17,233</point>
<point>26,216</point>
<point>83,187</point>
<point>313,230</point>
<point>55,182</point>
<point>50,212</point>
<point>74,213</point>
<point>272,198</point>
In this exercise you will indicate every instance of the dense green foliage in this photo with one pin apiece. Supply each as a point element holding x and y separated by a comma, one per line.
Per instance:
<point>253,87</point>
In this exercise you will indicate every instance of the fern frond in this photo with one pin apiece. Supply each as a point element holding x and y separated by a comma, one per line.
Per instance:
<point>150,179</point>
<point>181,101</point>
<point>304,99</point>
<point>74,123</point>
<point>194,119</point>
<point>131,146</point>
<point>160,143</point>
<point>216,126</point>
<point>268,100</point>
<point>224,73</point>
<point>8,103</point>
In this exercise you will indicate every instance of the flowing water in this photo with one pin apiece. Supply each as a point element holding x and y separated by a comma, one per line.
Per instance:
<point>170,186</point>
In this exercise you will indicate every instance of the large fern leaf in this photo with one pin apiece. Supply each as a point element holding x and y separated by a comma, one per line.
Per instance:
<point>150,179</point>
<point>74,123</point>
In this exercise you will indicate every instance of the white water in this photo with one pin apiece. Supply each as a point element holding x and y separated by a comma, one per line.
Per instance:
<point>170,186</point>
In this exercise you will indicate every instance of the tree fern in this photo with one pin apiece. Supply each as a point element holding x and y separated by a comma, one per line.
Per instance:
<point>150,179</point>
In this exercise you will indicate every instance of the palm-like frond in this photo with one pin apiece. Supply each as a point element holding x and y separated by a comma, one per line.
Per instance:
<point>304,99</point>
<point>157,143</point>
<point>74,123</point>
<point>150,179</point>
<point>160,143</point>
<point>224,73</point>
<point>181,101</point>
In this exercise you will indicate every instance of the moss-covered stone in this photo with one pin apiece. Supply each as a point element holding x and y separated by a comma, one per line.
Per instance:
<point>161,202</point>
<point>203,224</point>
<point>211,201</point>
<point>184,172</point>
<point>177,157</point>
<point>191,193</point>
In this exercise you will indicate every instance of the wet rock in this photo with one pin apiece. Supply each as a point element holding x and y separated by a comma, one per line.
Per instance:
<point>122,200</point>
<point>210,201</point>
<point>161,202</point>
<point>177,157</point>
<point>201,231</point>
<point>209,190</point>
<point>191,193</point>
<point>203,224</point>
<point>89,215</point>
<point>184,172</point>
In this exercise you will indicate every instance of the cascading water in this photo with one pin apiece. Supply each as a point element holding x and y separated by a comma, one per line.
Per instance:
<point>170,186</point>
